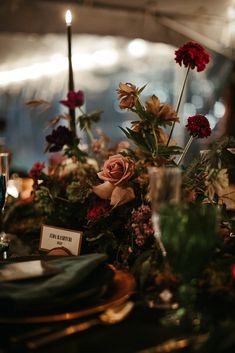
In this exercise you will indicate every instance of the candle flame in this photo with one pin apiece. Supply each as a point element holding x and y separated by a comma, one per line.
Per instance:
<point>68,17</point>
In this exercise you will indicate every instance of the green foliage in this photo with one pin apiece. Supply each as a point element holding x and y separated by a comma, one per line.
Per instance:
<point>189,236</point>
<point>45,200</point>
<point>143,268</point>
<point>105,242</point>
<point>169,150</point>
<point>86,120</point>
<point>74,151</point>
<point>137,138</point>
<point>78,191</point>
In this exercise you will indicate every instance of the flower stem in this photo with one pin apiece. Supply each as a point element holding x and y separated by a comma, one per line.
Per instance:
<point>185,150</point>
<point>73,122</point>
<point>155,139</point>
<point>82,111</point>
<point>89,133</point>
<point>178,105</point>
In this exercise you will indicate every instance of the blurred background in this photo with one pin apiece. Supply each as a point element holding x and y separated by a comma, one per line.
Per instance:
<point>112,41</point>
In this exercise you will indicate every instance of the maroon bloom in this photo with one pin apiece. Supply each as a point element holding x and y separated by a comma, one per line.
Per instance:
<point>36,172</point>
<point>198,126</point>
<point>75,99</point>
<point>58,138</point>
<point>98,210</point>
<point>192,55</point>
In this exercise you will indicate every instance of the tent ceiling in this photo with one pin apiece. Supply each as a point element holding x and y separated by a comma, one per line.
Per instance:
<point>210,22</point>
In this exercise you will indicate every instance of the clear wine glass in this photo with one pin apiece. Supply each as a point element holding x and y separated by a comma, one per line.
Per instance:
<point>4,177</point>
<point>165,190</point>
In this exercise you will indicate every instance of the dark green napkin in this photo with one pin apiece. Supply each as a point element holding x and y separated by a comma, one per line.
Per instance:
<point>75,272</point>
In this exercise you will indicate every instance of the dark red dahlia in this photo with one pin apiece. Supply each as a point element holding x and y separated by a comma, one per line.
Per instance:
<point>75,99</point>
<point>198,126</point>
<point>36,172</point>
<point>192,55</point>
<point>98,210</point>
<point>58,138</point>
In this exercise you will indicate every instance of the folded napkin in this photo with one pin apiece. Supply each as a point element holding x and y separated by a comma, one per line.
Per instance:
<point>43,291</point>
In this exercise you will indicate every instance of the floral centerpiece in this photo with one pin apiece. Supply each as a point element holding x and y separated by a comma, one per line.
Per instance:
<point>103,191</point>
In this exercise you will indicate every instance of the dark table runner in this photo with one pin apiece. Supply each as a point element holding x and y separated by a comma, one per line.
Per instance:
<point>140,330</point>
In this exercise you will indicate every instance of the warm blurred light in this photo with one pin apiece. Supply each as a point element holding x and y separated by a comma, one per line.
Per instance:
<point>26,188</point>
<point>228,32</point>
<point>161,94</point>
<point>82,61</point>
<point>137,48</point>
<point>212,120</point>
<point>12,188</point>
<point>188,110</point>
<point>34,71</point>
<point>197,101</point>
<point>106,57</point>
<point>68,17</point>
<point>59,63</point>
<point>231,13</point>
<point>219,109</point>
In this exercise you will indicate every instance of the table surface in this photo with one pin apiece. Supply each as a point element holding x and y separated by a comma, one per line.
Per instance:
<point>140,330</point>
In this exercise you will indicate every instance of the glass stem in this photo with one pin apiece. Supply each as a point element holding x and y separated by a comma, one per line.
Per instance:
<point>157,234</point>
<point>185,150</point>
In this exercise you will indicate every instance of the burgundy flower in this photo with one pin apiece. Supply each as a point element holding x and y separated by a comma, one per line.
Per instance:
<point>75,99</point>
<point>98,210</point>
<point>58,138</point>
<point>36,172</point>
<point>198,126</point>
<point>192,55</point>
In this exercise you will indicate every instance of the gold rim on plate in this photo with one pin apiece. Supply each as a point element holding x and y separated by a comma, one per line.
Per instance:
<point>122,287</point>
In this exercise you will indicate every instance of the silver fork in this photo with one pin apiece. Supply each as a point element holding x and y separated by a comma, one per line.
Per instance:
<point>110,316</point>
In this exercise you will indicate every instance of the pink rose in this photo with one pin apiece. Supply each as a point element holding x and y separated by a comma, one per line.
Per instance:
<point>116,194</point>
<point>117,170</point>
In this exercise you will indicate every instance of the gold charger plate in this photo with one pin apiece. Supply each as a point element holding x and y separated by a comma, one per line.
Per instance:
<point>123,285</point>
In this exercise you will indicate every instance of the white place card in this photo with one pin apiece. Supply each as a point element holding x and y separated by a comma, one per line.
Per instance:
<point>54,237</point>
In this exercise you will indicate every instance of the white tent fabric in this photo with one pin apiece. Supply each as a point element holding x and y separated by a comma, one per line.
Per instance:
<point>210,22</point>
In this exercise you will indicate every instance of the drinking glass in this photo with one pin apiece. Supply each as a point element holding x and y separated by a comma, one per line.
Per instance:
<point>165,191</point>
<point>4,177</point>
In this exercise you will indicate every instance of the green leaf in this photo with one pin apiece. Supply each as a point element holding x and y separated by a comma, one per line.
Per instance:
<point>145,115</point>
<point>136,138</point>
<point>140,111</point>
<point>76,152</point>
<point>142,88</point>
<point>168,150</point>
<point>151,143</point>
<point>86,120</point>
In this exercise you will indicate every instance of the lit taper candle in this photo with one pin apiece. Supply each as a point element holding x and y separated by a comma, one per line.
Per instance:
<point>68,20</point>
